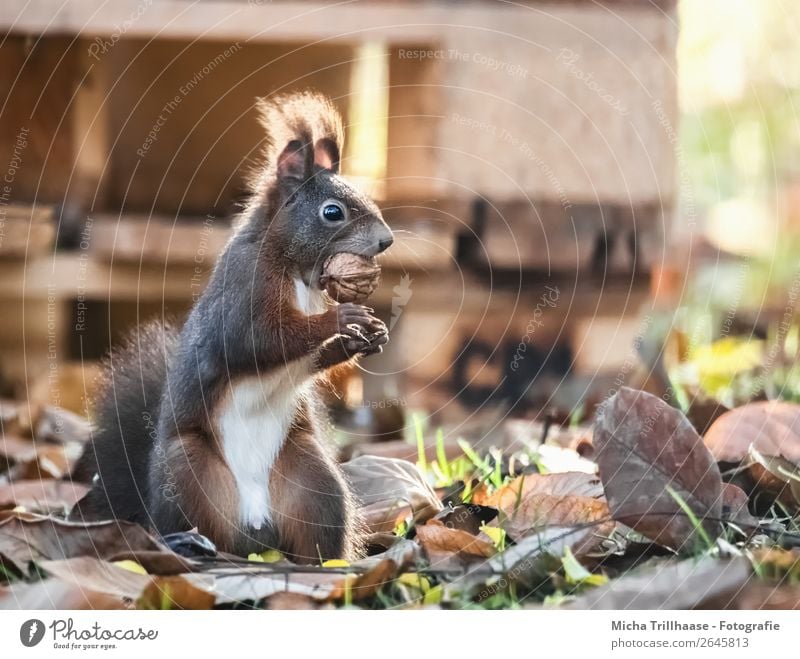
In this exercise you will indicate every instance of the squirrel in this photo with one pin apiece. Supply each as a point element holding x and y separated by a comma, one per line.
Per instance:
<point>219,425</point>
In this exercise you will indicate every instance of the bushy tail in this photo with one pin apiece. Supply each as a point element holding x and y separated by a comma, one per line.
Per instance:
<point>125,425</point>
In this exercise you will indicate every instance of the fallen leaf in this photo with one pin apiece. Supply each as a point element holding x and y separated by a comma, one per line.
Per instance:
<point>97,576</point>
<point>467,517</point>
<point>757,596</point>
<point>367,584</point>
<point>26,538</point>
<point>402,551</point>
<point>388,488</point>
<point>245,585</point>
<point>43,496</point>
<point>679,585</point>
<point>290,602</point>
<point>28,459</point>
<point>157,562</point>
<point>130,566</point>
<point>734,507</point>
<point>440,541</point>
<point>54,594</point>
<point>572,483</point>
<point>175,593</point>
<point>645,448</point>
<point>771,427</point>
<point>56,424</point>
<point>538,510</point>
<point>777,563</point>
<point>49,461</point>
<point>777,475</point>
<point>529,562</point>
<point>13,417</point>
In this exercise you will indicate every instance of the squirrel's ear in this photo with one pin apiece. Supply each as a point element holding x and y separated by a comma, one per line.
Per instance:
<point>326,154</point>
<point>295,161</point>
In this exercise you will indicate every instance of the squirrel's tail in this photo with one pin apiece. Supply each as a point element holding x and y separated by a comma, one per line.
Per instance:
<point>125,423</point>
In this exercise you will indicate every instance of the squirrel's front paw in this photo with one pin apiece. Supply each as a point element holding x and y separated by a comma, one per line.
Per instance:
<point>357,321</point>
<point>356,341</point>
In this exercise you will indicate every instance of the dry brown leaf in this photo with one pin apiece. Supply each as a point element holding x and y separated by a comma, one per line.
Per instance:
<point>255,584</point>
<point>772,427</point>
<point>163,563</point>
<point>98,576</point>
<point>734,507</point>
<point>175,593</point>
<point>644,447</point>
<point>467,517</point>
<point>570,483</point>
<point>538,510</point>
<point>682,585</point>
<point>387,489</point>
<point>290,602</point>
<point>532,559</point>
<point>56,594</point>
<point>42,496</point>
<point>778,475</point>
<point>56,424</point>
<point>25,538</point>
<point>765,597</point>
<point>367,584</point>
<point>777,563</point>
<point>438,541</point>
<point>50,461</point>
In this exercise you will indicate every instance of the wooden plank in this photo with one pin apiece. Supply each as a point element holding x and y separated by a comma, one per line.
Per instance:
<point>159,240</point>
<point>37,82</point>
<point>588,240</point>
<point>392,22</point>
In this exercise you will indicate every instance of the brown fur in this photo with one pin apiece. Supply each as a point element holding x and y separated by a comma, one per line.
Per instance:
<point>197,464</point>
<point>311,504</point>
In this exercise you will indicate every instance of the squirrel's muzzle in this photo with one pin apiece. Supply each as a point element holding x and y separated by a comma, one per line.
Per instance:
<point>381,238</point>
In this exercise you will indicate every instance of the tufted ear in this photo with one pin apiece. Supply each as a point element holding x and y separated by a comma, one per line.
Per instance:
<point>296,161</point>
<point>326,154</point>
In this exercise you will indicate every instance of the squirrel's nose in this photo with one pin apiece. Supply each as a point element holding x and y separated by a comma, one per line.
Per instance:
<point>385,244</point>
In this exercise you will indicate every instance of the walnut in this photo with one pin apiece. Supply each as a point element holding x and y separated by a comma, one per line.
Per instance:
<point>350,277</point>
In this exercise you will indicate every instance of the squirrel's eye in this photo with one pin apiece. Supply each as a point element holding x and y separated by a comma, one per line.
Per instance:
<point>332,212</point>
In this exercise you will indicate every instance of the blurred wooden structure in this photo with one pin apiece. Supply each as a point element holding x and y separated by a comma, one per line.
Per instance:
<point>529,148</point>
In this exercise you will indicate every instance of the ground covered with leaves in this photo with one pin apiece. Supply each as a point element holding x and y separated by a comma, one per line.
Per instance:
<point>647,507</point>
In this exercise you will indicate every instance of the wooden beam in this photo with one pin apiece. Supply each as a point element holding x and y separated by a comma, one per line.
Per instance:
<point>400,22</point>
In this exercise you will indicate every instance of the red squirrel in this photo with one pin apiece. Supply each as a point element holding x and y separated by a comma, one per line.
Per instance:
<point>219,425</point>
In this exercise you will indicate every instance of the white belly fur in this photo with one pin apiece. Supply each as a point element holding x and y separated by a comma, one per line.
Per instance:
<point>256,416</point>
<point>253,422</point>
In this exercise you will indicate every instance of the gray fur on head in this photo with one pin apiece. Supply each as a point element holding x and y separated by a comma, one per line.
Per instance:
<point>299,179</point>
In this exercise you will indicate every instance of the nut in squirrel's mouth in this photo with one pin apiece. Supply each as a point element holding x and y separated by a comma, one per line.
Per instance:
<point>348,277</point>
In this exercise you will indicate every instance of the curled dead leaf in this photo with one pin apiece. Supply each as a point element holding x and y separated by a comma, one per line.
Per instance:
<point>680,585</point>
<point>440,542</point>
<point>175,593</point>
<point>26,538</point>
<point>388,489</point>
<point>42,496</point>
<point>49,594</point>
<point>652,460</point>
<point>771,427</point>
<point>539,510</point>
<point>97,576</point>
<point>575,483</point>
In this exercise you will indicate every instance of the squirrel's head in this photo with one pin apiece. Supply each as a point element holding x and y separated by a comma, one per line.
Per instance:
<point>314,212</point>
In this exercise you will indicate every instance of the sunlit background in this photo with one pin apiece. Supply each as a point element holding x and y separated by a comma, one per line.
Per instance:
<point>586,194</point>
